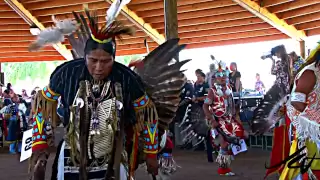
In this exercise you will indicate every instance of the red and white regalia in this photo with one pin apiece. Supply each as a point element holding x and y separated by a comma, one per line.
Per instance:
<point>222,108</point>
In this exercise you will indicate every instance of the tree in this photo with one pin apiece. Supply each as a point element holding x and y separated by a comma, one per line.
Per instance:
<point>42,70</point>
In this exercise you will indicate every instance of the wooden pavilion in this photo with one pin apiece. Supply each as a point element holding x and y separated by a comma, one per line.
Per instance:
<point>199,23</point>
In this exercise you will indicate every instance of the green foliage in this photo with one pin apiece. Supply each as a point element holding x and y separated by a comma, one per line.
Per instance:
<point>126,59</point>
<point>42,70</point>
<point>33,70</point>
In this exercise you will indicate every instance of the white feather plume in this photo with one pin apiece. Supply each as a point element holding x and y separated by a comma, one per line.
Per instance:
<point>114,10</point>
<point>66,26</point>
<point>47,36</point>
<point>55,34</point>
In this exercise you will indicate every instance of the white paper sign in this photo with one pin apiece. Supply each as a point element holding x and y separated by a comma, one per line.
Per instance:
<point>26,149</point>
<point>238,149</point>
<point>214,133</point>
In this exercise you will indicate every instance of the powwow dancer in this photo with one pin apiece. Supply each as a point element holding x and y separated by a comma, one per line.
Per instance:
<point>14,123</point>
<point>220,111</point>
<point>166,162</point>
<point>302,122</point>
<point>115,114</point>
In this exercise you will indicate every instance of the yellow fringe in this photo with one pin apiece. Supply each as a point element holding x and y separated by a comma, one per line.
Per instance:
<point>47,108</point>
<point>152,114</point>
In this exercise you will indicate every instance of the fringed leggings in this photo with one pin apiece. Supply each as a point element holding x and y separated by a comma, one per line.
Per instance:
<point>224,157</point>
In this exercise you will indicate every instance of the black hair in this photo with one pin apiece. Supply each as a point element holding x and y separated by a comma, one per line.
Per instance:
<point>9,86</point>
<point>6,91</point>
<point>109,47</point>
<point>198,71</point>
<point>202,74</point>
<point>33,92</point>
<point>277,49</point>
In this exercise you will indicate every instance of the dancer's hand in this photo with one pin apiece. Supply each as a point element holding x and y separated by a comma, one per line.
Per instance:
<point>214,123</point>
<point>152,166</point>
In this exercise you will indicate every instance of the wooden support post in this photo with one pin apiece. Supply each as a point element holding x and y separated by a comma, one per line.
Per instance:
<point>302,49</point>
<point>171,20</point>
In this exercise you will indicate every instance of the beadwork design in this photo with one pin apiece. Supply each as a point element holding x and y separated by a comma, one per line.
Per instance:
<point>141,102</point>
<point>151,137</point>
<point>49,94</point>
<point>39,136</point>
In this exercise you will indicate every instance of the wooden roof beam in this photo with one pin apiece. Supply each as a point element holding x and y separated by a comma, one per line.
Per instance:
<point>140,23</point>
<point>30,59</point>
<point>292,5</point>
<point>24,49</point>
<point>272,19</point>
<point>304,19</point>
<point>31,20</point>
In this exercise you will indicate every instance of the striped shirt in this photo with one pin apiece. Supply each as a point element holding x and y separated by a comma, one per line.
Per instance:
<point>66,78</point>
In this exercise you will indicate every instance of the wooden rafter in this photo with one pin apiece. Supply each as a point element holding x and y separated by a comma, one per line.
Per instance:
<point>31,20</point>
<point>272,19</point>
<point>140,23</point>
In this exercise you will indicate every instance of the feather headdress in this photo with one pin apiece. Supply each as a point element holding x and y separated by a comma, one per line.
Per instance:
<point>111,30</point>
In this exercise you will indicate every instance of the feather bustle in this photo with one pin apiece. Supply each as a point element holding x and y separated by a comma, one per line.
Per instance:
<point>163,82</point>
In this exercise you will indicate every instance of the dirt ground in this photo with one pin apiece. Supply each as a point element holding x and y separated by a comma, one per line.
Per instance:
<point>194,166</point>
<point>248,166</point>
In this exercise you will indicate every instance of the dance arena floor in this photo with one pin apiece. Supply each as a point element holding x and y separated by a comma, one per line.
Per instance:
<point>194,166</point>
<point>249,166</point>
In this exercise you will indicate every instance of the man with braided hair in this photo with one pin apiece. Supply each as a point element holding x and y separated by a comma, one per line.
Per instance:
<point>109,110</point>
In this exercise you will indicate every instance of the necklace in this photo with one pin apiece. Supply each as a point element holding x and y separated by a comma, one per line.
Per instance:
<point>96,86</point>
<point>95,129</point>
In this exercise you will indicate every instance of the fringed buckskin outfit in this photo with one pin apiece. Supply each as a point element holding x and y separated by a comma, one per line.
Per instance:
<point>112,125</point>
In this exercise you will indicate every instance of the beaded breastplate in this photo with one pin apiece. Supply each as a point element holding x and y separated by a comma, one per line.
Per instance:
<point>222,102</point>
<point>103,123</point>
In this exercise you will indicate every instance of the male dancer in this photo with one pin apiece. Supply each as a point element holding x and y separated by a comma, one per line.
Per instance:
<point>109,108</point>
<point>220,111</point>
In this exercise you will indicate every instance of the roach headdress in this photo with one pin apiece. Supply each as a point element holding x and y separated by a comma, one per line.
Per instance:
<point>104,37</point>
<point>221,71</point>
